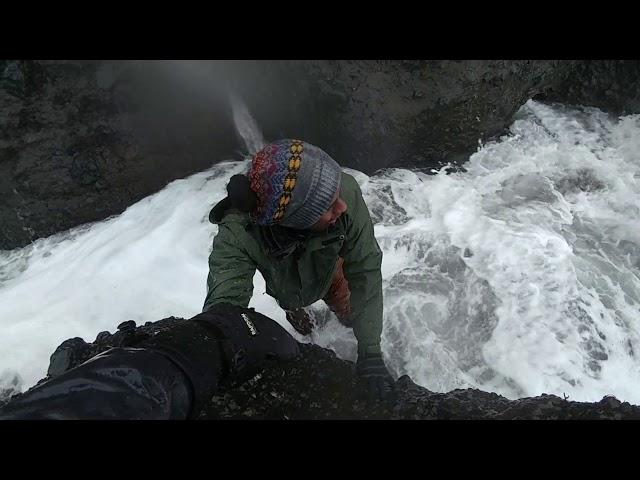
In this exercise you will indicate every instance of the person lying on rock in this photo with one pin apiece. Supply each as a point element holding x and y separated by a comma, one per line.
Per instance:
<point>302,222</point>
<point>170,375</point>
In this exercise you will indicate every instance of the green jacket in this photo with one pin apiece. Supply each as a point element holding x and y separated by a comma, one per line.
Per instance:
<point>304,276</point>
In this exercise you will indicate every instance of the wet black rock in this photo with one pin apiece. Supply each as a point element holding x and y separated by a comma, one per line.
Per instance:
<point>319,385</point>
<point>128,325</point>
<point>68,354</point>
<point>371,114</point>
<point>102,336</point>
<point>611,85</point>
<point>83,140</point>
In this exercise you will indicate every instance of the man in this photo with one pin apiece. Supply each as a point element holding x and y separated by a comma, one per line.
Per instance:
<point>304,225</point>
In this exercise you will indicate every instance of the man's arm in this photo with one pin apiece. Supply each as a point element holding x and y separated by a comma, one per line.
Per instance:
<point>363,259</point>
<point>231,272</point>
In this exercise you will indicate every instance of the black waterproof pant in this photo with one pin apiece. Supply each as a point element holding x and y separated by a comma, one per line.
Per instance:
<point>168,376</point>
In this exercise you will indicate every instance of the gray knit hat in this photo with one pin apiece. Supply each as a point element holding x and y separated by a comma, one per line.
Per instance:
<point>295,183</point>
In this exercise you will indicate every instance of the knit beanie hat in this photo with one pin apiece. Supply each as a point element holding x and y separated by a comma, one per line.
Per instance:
<point>295,183</point>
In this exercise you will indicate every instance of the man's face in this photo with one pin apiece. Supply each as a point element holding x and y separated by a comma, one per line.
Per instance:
<point>329,218</point>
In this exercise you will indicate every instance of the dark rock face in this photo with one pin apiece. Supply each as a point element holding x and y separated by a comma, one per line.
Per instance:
<point>318,385</point>
<point>82,140</point>
<point>375,114</point>
<point>611,85</point>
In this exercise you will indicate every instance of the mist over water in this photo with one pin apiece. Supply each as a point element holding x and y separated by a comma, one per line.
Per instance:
<point>246,127</point>
<point>519,276</point>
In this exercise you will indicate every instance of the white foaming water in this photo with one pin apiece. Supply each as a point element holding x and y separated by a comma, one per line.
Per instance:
<point>520,276</point>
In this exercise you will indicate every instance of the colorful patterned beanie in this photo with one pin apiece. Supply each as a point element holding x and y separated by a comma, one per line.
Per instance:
<point>295,183</point>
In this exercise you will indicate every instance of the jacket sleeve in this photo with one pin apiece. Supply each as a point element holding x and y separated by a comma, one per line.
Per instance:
<point>231,272</point>
<point>363,259</point>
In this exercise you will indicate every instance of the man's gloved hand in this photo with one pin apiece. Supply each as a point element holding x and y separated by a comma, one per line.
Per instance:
<point>240,194</point>
<point>378,379</point>
<point>300,320</point>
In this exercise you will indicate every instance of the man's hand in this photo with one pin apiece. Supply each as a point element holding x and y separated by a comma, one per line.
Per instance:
<point>378,380</point>
<point>300,320</point>
<point>240,194</point>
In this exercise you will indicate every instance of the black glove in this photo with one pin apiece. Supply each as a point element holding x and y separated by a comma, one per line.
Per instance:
<point>299,319</point>
<point>378,379</point>
<point>240,194</point>
<point>239,197</point>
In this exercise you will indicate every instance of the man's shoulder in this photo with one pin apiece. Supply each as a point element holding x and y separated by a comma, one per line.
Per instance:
<point>236,217</point>
<point>350,190</point>
<point>349,183</point>
<point>235,223</point>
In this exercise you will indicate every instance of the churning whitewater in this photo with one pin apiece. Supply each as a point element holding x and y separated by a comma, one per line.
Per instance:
<point>520,276</point>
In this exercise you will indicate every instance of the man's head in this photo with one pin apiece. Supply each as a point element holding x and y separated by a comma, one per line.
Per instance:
<point>297,185</point>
